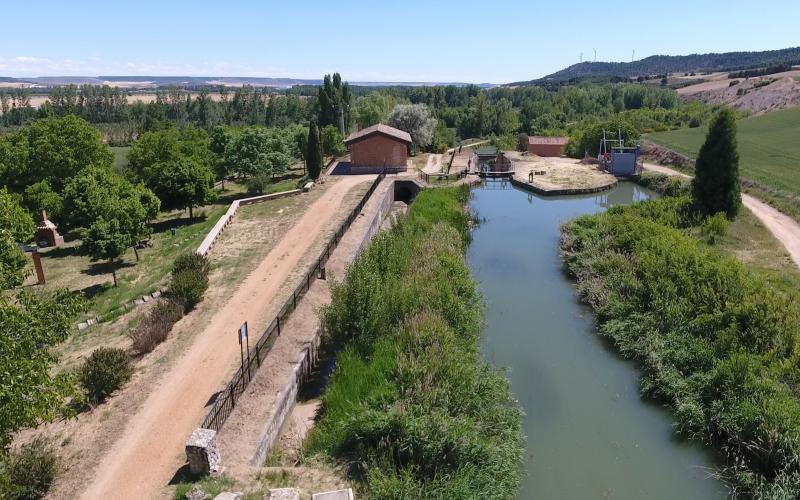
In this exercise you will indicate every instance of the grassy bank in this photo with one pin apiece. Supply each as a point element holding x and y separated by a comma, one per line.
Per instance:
<point>412,408</point>
<point>769,151</point>
<point>717,341</point>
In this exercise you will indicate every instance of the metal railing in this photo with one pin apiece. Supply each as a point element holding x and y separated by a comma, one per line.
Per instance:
<point>227,398</point>
<point>432,178</point>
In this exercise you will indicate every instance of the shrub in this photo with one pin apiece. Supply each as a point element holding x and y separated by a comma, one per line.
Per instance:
<point>258,184</point>
<point>715,227</point>
<point>191,261</point>
<point>187,287</point>
<point>156,326</point>
<point>28,471</point>
<point>189,279</point>
<point>106,370</point>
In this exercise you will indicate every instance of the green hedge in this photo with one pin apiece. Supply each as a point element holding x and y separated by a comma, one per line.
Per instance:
<point>717,343</point>
<point>412,407</point>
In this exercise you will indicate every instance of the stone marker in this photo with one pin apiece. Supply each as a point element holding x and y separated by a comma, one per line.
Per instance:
<point>283,494</point>
<point>346,494</point>
<point>146,298</point>
<point>156,294</point>
<point>227,495</point>
<point>138,302</point>
<point>202,453</point>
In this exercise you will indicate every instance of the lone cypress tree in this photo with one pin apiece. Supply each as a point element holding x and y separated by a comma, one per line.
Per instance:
<point>716,186</point>
<point>313,151</point>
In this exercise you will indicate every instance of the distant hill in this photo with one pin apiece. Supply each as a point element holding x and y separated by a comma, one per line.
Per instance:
<point>657,65</point>
<point>139,82</point>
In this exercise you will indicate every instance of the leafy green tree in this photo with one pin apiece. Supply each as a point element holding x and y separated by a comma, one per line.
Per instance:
<point>183,183</point>
<point>373,108</point>
<point>313,151</point>
<point>16,226</point>
<point>332,141</point>
<point>153,149</point>
<point>416,119</point>
<point>109,212</point>
<point>716,186</point>
<point>30,392</point>
<point>261,151</point>
<point>220,137</point>
<point>58,148</point>
<point>40,196</point>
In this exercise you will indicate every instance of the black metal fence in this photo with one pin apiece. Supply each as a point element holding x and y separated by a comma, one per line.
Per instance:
<point>226,400</point>
<point>441,178</point>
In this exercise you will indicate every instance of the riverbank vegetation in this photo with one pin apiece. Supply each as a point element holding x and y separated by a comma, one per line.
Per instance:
<point>716,340</point>
<point>412,407</point>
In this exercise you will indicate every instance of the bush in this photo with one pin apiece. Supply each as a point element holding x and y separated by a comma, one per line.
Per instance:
<point>189,279</point>
<point>715,227</point>
<point>106,370</point>
<point>258,184</point>
<point>191,261</point>
<point>156,326</point>
<point>28,471</point>
<point>187,287</point>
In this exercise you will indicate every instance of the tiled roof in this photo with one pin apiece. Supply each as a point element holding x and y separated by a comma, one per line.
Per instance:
<point>379,129</point>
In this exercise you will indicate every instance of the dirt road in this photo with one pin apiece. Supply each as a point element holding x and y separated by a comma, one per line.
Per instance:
<point>783,228</point>
<point>150,450</point>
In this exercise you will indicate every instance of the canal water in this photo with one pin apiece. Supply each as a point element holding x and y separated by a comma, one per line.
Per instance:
<point>589,433</point>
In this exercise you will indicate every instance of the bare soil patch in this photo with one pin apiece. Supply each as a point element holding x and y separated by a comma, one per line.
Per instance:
<point>558,173</point>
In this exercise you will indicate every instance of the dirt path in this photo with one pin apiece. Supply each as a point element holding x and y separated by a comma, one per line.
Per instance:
<point>782,227</point>
<point>150,450</point>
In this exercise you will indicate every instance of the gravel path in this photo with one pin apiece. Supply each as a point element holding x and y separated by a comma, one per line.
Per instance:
<point>150,449</point>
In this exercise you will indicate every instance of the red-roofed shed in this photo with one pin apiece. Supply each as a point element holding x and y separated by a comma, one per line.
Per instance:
<point>547,146</point>
<point>377,147</point>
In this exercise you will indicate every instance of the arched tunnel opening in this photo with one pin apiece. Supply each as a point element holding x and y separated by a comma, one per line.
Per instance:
<point>405,191</point>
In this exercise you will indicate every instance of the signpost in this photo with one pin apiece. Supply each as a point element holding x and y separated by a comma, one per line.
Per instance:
<point>244,339</point>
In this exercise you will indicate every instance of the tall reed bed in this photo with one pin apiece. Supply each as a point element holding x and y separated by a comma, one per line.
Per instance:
<point>412,409</point>
<point>716,342</point>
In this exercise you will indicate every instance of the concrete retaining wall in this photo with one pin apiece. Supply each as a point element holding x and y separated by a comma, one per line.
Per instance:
<point>558,192</point>
<point>208,242</point>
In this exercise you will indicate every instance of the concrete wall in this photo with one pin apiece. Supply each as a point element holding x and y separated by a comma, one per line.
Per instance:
<point>378,150</point>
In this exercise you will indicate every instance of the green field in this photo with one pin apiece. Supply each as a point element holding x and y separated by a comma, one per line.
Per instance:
<point>769,149</point>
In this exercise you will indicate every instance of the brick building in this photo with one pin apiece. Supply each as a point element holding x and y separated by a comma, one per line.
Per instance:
<point>378,146</point>
<point>547,146</point>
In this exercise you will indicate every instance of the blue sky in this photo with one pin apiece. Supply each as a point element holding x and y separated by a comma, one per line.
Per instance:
<point>489,41</point>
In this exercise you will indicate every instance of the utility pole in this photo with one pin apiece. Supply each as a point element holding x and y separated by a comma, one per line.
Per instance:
<point>595,55</point>
<point>581,56</point>
<point>633,55</point>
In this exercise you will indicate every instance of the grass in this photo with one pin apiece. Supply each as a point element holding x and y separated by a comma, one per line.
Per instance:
<point>67,267</point>
<point>769,152</point>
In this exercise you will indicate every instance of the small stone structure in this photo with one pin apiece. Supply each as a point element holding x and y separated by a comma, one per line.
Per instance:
<point>46,232</point>
<point>283,494</point>
<point>346,494</point>
<point>202,453</point>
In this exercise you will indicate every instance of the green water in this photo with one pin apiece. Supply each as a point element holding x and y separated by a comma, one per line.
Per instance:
<point>589,433</point>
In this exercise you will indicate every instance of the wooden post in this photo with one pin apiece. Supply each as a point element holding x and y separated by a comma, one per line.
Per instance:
<point>37,264</point>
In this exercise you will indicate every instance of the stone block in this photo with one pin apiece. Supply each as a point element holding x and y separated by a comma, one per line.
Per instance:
<point>83,325</point>
<point>138,302</point>
<point>346,494</point>
<point>283,494</point>
<point>202,453</point>
<point>146,298</point>
<point>156,294</point>
<point>91,321</point>
<point>227,495</point>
